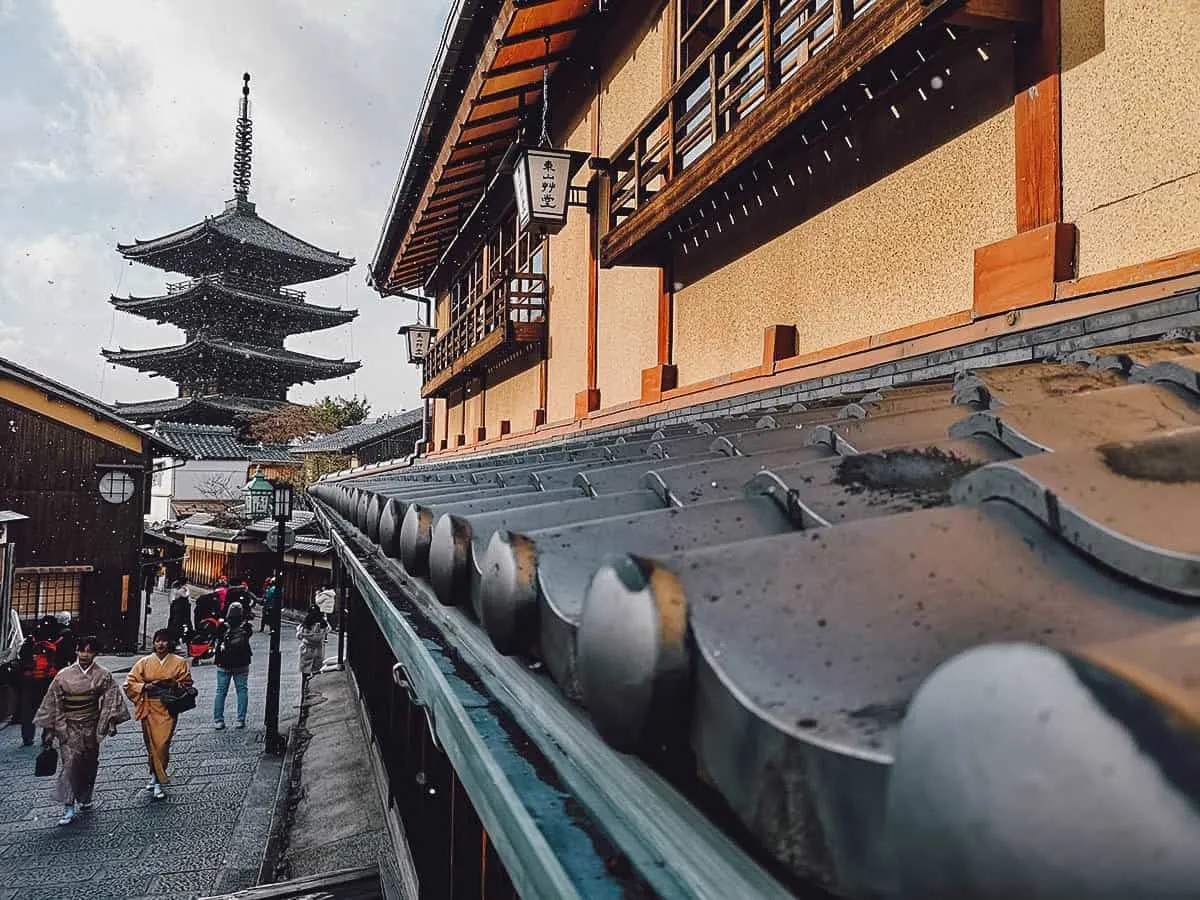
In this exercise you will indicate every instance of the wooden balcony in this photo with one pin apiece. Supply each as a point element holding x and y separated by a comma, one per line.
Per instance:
<point>511,313</point>
<point>768,68</point>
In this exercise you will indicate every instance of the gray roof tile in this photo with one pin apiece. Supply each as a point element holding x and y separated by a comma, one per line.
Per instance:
<point>780,594</point>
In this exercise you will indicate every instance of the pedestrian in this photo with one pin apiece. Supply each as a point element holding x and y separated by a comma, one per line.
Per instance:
<point>42,654</point>
<point>270,602</point>
<point>221,589</point>
<point>179,620</point>
<point>326,599</point>
<point>150,676</point>
<point>312,633</point>
<point>81,708</point>
<point>232,657</point>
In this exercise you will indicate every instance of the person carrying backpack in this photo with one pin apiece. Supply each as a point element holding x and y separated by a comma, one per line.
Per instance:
<point>41,656</point>
<point>232,657</point>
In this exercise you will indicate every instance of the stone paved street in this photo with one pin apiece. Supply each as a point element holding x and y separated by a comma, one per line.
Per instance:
<point>207,836</point>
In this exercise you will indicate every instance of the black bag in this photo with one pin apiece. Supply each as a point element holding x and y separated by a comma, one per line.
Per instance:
<point>178,699</point>
<point>46,763</point>
<point>233,649</point>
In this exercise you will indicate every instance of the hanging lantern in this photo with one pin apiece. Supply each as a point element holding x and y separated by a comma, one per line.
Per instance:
<point>420,339</point>
<point>541,181</point>
<point>542,175</point>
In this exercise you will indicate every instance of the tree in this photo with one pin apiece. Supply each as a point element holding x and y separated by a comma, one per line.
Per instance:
<point>284,423</point>
<point>336,413</point>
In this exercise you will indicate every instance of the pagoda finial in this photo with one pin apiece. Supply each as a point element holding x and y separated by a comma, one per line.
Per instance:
<point>242,143</point>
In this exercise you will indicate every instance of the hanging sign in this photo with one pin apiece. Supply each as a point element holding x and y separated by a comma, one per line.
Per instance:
<point>541,179</point>
<point>420,339</point>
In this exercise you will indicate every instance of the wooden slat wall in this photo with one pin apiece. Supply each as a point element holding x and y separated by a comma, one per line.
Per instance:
<point>48,472</point>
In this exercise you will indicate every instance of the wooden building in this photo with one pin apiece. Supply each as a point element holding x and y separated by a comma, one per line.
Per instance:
<point>877,179</point>
<point>386,438</point>
<point>236,308</point>
<point>218,548</point>
<point>80,474</point>
<point>806,236</point>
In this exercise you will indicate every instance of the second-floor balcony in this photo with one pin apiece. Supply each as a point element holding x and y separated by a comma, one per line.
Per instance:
<point>510,312</point>
<point>777,69</point>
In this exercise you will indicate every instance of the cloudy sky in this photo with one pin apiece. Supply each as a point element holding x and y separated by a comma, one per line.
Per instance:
<point>116,123</point>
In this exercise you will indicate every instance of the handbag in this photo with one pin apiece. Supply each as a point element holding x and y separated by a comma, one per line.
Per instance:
<point>178,699</point>
<point>46,763</point>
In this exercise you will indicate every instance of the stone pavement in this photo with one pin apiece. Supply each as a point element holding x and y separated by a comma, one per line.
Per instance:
<point>206,837</point>
<point>334,819</point>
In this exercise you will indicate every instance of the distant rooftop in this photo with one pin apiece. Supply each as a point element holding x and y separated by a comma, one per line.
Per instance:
<point>359,435</point>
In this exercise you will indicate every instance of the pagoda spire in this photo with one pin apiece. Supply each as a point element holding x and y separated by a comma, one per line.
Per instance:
<point>243,143</point>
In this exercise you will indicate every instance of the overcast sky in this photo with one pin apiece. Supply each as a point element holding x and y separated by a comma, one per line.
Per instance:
<point>116,123</point>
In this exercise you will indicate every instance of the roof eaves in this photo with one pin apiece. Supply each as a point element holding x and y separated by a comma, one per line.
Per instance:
<point>431,124</point>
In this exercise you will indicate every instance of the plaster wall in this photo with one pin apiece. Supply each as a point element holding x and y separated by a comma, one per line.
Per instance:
<point>634,76</point>
<point>1130,114</point>
<point>897,252</point>
<point>472,409</point>
<point>627,332</point>
<point>210,479</point>
<point>512,394</point>
<point>627,317</point>
<point>439,421</point>
<point>568,267</point>
<point>455,410</point>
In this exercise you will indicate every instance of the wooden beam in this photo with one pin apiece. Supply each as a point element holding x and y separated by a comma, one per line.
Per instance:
<point>487,55</point>
<point>988,15</point>
<point>864,39</point>
<point>1022,271</point>
<point>779,342</point>
<point>666,315</point>
<point>1037,123</point>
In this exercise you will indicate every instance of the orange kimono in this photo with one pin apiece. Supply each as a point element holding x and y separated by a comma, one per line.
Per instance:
<point>158,725</point>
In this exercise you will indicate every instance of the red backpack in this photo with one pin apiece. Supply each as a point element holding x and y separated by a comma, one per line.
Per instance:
<point>45,653</point>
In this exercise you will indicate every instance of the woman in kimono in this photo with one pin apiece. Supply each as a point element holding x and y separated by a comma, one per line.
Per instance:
<point>148,677</point>
<point>312,633</point>
<point>81,708</point>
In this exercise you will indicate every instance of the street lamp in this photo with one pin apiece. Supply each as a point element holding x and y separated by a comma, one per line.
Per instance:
<point>257,495</point>
<point>279,502</point>
<point>419,338</point>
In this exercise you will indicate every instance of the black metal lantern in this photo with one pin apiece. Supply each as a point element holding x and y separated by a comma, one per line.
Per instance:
<point>281,500</point>
<point>420,339</point>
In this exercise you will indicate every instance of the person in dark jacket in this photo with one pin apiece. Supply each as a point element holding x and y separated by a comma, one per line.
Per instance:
<point>48,649</point>
<point>232,657</point>
<point>179,619</point>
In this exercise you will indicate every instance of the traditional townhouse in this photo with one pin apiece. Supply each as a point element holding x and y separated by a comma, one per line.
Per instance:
<point>813,454</point>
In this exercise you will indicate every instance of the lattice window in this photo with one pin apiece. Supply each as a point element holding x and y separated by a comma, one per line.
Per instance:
<point>37,594</point>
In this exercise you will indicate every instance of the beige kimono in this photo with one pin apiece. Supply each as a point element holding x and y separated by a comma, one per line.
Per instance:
<point>81,708</point>
<point>158,725</point>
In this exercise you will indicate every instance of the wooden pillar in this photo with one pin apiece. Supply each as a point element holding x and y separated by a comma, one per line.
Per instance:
<point>664,375</point>
<point>588,399</point>
<point>1038,116</point>
<point>1022,270</point>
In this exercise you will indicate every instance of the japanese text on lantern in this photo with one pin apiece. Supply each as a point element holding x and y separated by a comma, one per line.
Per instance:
<point>549,178</point>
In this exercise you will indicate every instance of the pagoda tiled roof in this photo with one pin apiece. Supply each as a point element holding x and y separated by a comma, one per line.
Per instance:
<point>236,234</point>
<point>169,307</point>
<point>185,354</point>
<point>359,435</point>
<point>152,410</point>
<point>204,441</point>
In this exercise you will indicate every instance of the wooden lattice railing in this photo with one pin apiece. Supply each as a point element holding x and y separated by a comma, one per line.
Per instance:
<point>515,302</point>
<point>721,87</point>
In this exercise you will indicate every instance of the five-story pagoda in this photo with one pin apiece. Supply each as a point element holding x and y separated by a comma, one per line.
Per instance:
<point>236,309</point>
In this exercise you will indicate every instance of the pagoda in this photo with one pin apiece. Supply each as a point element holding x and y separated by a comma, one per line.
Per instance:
<point>236,308</point>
